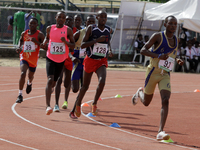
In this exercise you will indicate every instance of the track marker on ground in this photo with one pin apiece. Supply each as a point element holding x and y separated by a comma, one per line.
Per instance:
<point>85,104</point>
<point>168,141</point>
<point>196,90</point>
<point>115,125</point>
<point>118,96</point>
<point>90,115</point>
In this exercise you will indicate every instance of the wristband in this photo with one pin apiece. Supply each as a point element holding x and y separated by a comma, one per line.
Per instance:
<point>159,55</point>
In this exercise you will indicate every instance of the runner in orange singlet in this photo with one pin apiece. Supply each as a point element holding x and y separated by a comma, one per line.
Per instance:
<point>30,40</point>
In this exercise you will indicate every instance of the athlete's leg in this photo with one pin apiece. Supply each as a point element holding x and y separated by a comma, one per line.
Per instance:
<point>67,82</point>
<point>146,99</point>
<point>75,85</point>
<point>23,68</point>
<point>165,95</point>
<point>30,76</point>
<point>86,82</point>
<point>58,88</point>
<point>49,86</point>
<point>101,74</point>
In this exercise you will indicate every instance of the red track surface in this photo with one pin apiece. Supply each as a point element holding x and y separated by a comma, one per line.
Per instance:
<point>25,125</point>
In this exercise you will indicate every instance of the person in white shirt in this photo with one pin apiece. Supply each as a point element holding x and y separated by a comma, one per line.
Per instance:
<point>191,57</point>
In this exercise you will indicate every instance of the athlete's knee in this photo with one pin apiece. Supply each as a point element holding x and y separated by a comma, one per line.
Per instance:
<point>85,87</point>
<point>75,90</point>
<point>102,81</point>
<point>50,81</point>
<point>23,74</point>
<point>146,103</point>
<point>165,101</point>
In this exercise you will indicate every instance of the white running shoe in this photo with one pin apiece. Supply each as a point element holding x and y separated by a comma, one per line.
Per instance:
<point>56,108</point>
<point>49,110</point>
<point>162,136</point>
<point>136,96</point>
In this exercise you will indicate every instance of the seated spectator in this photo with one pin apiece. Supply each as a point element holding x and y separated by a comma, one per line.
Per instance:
<point>139,44</point>
<point>191,57</point>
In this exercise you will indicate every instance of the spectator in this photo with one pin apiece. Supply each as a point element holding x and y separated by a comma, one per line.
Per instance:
<point>139,44</point>
<point>42,21</point>
<point>27,18</point>
<point>19,25</point>
<point>9,29</point>
<point>183,38</point>
<point>191,57</point>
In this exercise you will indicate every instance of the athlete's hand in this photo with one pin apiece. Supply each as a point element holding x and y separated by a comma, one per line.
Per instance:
<point>101,38</point>
<point>76,60</point>
<point>18,50</point>
<point>110,54</point>
<point>164,56</point>
<point>63,39</point>
<point>180,61</point>
<point>43,46</point>
<point>34,40</point>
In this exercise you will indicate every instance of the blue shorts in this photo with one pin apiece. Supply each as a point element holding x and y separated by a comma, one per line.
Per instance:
<point>77,72</point>
<point>32,69</point>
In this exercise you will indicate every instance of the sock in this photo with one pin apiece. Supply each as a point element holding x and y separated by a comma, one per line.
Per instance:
<point>29,82</point>
<point>141,95</point>
<point>20,92</point>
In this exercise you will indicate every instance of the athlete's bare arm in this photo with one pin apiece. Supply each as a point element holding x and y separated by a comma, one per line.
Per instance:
<point>21,42</point>
<point>71,43</point>
<point>86,43</point>
<point>153,41</point>
<point>46,39</point>
<point>76,36</point>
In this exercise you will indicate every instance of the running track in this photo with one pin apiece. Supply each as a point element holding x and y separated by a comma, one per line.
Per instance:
<point>25,125</point>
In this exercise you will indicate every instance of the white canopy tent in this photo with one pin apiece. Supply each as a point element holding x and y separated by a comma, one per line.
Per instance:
<point>186,11</point>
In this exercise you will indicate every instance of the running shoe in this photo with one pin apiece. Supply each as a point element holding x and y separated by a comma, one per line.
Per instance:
<point>78,111</point>
<point>65,104</point>
<point>136,96</point>
<point>162,136</point>
<point>56,108</point>
<point>28,88</point>
<point>49,110</point>
<point>19,99</point>
<point>94,110</point>
<point>71,115</point>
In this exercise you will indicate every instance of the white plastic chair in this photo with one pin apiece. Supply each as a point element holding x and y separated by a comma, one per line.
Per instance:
<point>137,54</point>
<point>146,58</point>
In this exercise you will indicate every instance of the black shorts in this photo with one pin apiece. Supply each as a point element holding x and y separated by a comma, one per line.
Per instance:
<point>54,68</point>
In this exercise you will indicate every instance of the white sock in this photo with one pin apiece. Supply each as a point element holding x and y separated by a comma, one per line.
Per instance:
<point>141,95</point>
<point>29,82</point>
<point>20,92</point>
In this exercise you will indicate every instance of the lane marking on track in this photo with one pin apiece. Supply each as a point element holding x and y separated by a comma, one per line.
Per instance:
<point>18,144</point>
<point>128,131</point>
<point>71,136</point>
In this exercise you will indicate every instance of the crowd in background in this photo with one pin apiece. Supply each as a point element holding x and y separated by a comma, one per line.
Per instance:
<point>19,23</point>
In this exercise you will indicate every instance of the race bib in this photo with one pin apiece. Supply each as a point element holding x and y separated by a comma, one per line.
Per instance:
<point>167,64</point>
<point>29,46</point>
<point>57,48</point>
<point>100,49</point>
<point>82,52</point>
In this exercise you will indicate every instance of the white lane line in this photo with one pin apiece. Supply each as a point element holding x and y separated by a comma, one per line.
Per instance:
<point>71,136</point>
<point>127,131</point>
<point>18,144</point>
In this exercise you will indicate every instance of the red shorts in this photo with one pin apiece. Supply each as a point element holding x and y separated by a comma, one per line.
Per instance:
<point>91,65</point>
<point>68,64</point>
